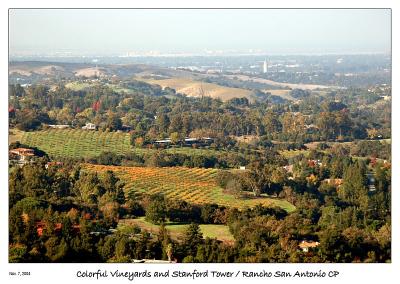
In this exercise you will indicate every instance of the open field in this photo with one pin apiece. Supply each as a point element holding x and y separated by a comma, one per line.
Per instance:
<point>78,86</point>
<point>280,93</point>
<point>194,185</point>
<point>382,141</point>
<point>77,143</point>
<point>293,153</point>
<point>15,135</point>
<point>90,72</point>
<point>194,88</point>
<point>26,70</point>
<point>220,232</point>
<point>313,145</point>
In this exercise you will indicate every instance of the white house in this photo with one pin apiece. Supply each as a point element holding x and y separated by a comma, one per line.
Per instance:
<point>59,126</point>
<point>89,126</point>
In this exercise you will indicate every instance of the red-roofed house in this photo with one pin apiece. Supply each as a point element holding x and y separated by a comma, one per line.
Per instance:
<point>21,153</point>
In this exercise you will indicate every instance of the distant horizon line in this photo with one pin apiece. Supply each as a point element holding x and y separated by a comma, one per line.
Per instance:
<point>184,54</point>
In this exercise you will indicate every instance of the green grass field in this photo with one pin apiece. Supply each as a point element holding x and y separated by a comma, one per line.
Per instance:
<point>293,153</point>
<point>79,86</point>
<point>194,185</point>
<point>220,232</point>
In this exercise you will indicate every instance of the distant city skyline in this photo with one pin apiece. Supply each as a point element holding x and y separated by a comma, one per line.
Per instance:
<point>138,32</point>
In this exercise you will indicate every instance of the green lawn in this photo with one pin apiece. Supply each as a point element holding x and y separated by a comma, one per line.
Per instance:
<point>220,232</point>
<point>293,153</point>
<point>78,86</point>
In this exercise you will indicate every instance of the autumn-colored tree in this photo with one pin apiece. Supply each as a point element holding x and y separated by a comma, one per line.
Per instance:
<point>139,142</point>
<point>96,106</point>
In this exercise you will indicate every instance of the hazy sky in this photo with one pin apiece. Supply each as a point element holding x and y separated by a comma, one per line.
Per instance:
<point>273,31</point>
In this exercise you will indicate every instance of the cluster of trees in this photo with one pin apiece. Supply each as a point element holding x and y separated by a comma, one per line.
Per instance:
<point>152,115</point>
<point>258,178</point>
<point>68,236</point>
<point>374,149</point>
<point>330,76</point>
<point>350,222</point>
<point>331,190</point>
<point>158,210</point>
<point>164,159</point>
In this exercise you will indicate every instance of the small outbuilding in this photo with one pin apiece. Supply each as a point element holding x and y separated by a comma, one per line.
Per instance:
<point>305,245</point>
<point>89,126</point>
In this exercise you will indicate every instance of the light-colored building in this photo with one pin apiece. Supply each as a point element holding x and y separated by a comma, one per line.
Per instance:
<point>307,245</point>
<point>163,141</point>
<point>334,181</point>
<point>89,126</point>
<point>288,168</point>
<point>265,66</point>
<point>152,261</point>
<point>59,126</point>
<point>21,154</point>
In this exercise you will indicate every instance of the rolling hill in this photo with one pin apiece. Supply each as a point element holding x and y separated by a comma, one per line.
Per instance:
<point>193,88</point>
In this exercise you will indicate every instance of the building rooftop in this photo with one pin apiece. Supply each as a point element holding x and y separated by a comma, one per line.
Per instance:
<point>23,151</point>
<point>308,244</point>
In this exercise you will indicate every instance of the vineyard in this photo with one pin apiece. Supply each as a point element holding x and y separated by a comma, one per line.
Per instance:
<point>77,143</point>
<point>194,185</point>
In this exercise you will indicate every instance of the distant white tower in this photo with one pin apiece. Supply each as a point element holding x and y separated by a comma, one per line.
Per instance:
<point>96,72</point>
<point>265,66</point>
